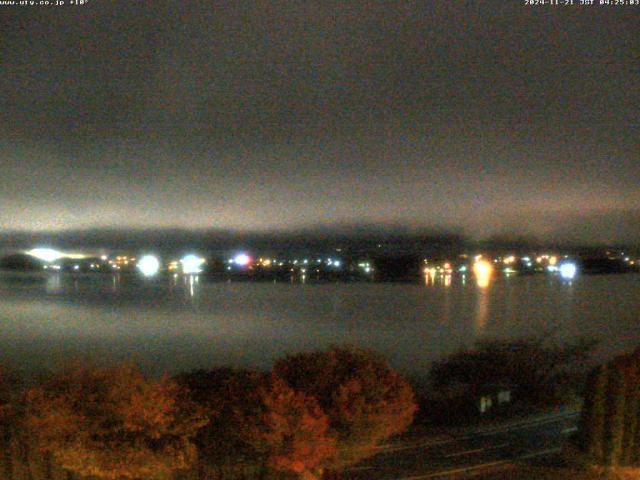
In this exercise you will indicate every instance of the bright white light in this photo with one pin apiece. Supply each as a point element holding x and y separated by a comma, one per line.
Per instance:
<point>568,270</point>
<point>336,263</point>
<point>51,255</point>
<point>242,259</point>
<point>46,254</point>
<point>192,264</point>
<point>149,265</point>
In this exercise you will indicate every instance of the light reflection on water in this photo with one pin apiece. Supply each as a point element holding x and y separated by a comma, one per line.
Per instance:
<point>54,284</point>
<point>177,323</point>
<point>482,311</point>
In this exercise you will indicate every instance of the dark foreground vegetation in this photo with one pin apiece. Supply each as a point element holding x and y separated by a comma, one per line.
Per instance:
<point>609,434</point>
<point>607,443</point>
<point>313,414</point>
<point>512,376</point>
<point>311,417</point>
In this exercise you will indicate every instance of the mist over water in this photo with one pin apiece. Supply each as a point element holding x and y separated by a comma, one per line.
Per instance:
<point>174,324</point>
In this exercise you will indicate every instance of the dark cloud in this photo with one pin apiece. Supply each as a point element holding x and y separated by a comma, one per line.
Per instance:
<point>263,115</point>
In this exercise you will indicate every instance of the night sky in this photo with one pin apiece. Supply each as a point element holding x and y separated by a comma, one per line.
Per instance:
<point>489,116</point>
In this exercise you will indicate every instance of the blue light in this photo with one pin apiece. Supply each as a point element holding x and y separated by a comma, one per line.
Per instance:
<point>568,270</point>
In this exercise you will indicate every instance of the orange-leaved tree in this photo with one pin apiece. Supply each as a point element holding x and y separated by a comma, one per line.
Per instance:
<point>366,401</point>
<point>289,428</point>
<point>113,423</point>
<point>257,422</point>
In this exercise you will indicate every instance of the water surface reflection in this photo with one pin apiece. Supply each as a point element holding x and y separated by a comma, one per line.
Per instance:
<point>176,323</point>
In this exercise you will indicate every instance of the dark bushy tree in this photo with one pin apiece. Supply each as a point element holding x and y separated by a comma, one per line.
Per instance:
<point>537,370</point>
<point>630,443</point>
<point>223,394</point>
<point>20,261</point>
<point>592,420</point>
<point>614,417</point>
<point>610,418</point>
<point>9,388</point>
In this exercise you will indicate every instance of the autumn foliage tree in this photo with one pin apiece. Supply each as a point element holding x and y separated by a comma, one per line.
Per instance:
<point>365,401</point>
<point>113,423</point>
<point>257,421</point>
<point>289,428</point>
<point>315,411</point>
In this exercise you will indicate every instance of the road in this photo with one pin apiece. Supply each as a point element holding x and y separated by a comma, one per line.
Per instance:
<point>469,451</point>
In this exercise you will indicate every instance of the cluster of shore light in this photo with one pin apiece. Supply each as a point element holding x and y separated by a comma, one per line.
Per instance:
<point>148,265</point>
<point>483,268</point>
<point>191,264</point>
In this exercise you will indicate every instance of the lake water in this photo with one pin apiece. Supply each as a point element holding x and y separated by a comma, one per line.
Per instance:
<point>175,324</point>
